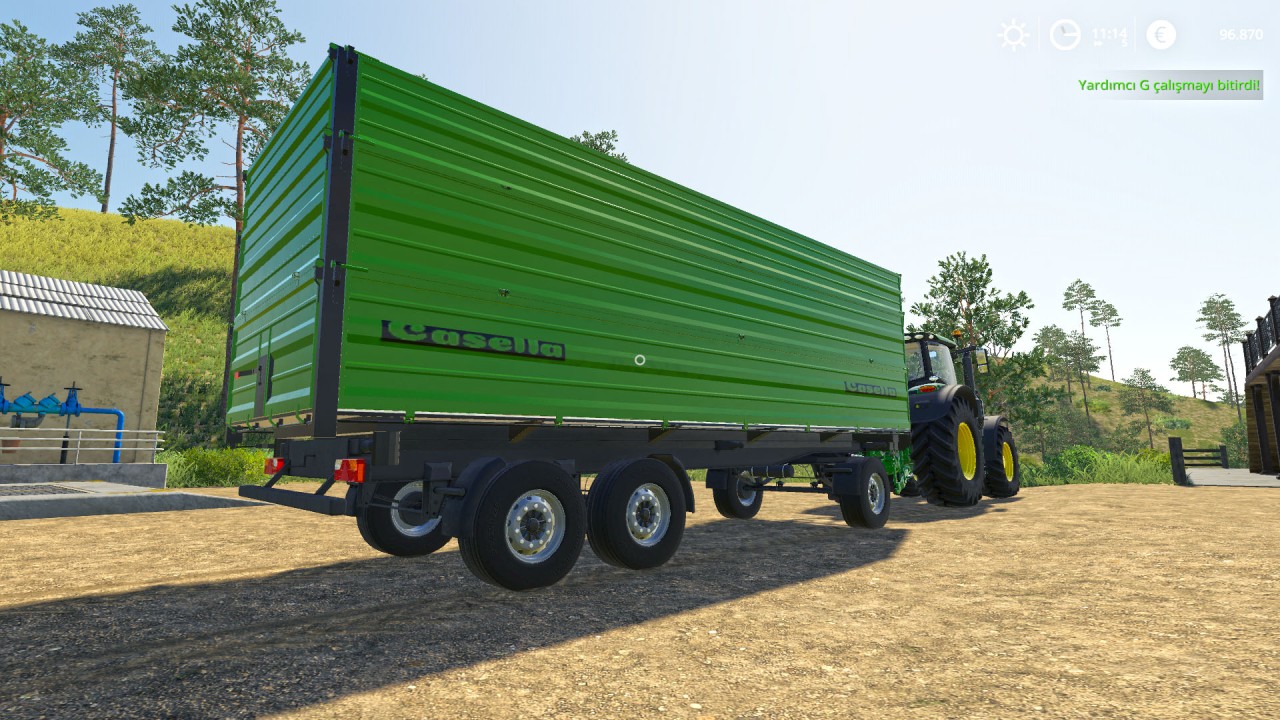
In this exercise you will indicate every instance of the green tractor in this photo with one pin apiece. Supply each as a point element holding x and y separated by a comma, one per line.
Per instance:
<point>957,454</point>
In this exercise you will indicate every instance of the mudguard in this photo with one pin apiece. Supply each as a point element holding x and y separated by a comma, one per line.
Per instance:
<point>989,428</point>
<point>927,407</point>
<point>682,475</point>
<point>472,481</point>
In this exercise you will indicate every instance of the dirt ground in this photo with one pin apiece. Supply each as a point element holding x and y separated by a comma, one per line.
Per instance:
<point>1077,601</point>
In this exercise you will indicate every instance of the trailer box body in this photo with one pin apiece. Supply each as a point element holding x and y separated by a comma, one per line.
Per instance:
<point>414,254</point>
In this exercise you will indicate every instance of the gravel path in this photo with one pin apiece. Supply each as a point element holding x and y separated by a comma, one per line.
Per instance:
<point>1076,601</point>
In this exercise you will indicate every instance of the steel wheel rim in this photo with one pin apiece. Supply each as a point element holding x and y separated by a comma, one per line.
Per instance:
<point>1007,454</point>
<point>967,451</point>
<point>746,495</point>
<point>648,515</point>
<point>403,526</point>
<point>535,526</point>
<point>875,493</point>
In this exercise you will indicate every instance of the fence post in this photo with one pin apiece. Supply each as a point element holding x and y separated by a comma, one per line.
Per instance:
<point>1177,461</point>
<point>1223,450</point>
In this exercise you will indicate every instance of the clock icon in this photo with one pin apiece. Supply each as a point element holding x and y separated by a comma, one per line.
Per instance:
<point>1064,34</point>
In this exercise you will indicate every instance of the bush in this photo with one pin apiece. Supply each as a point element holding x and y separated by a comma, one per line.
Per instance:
<point>1081,464</point>
<point>1175,423</point>
<point>201,467</point>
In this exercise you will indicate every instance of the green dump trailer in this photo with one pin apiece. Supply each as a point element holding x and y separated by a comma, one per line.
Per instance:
<point>459,315</point>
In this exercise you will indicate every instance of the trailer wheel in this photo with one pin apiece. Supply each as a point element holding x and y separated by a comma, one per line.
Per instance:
<point>948,457</point>
<point>738,502</point>
<point>868,505</point>
<point>635,514</point>
<point>527,528</point>
<point>404,531</point>
<point>1004,468</point>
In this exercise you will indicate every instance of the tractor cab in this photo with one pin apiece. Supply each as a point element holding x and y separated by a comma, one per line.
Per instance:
<point>931,365</point>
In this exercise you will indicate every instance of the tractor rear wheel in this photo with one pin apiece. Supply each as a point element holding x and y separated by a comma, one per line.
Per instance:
<point>948,457</point>
<point>1004,469</point>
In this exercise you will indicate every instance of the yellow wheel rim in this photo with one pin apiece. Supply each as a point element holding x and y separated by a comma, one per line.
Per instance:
<point>1007,452</point>
<point>967,450</point>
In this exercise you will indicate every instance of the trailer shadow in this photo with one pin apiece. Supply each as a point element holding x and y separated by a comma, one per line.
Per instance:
<point>913,510</point>
<point>245,648</point>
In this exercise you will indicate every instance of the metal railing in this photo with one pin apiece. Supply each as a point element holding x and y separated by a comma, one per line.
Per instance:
<point>1181,458</point>
<point>72,443</point>
<point>1259,341</point>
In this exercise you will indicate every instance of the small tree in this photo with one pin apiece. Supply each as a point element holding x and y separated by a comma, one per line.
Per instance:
<point>1141,394</point>
<point>114,46</point>
<point>39,92</point>
<point>1194,365</point>
<point>1053,341</point>
<point>1079,296</point>
<point>1083,358</point>
<point>1104,313</point>
<point>1223,324</point>
<point>605,141</point>
<point>962,297</point>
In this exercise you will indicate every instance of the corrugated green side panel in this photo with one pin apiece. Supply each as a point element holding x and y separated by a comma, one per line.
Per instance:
<point>668,305</point>
<point>276,298</point>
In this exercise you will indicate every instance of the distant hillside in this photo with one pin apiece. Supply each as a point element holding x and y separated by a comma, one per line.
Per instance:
<point>184,271</point>
<point>1207,418</point>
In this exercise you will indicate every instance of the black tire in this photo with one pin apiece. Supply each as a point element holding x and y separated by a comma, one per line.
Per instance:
<point>911,489</point>
<point>736,502</point>
<point>647,492</point>
<point>547,503</point>
<point>405,531</point>
<point>868,505</point>
<point>997,481</point>
<point>943,476</point>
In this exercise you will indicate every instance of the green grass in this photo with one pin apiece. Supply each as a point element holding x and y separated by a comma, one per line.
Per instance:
<point>1081,465</point>
<point>184,271</point>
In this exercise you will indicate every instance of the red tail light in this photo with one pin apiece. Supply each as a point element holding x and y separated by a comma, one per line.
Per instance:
<point>928,388</point>
<point>349,470</point>
<point>273,466</point>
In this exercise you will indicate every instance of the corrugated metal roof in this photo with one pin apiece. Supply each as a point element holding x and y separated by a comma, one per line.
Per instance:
<point>20,292</point>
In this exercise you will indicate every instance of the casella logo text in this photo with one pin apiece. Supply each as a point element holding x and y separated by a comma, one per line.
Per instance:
<point>470,340</point>
<point>865,389</point>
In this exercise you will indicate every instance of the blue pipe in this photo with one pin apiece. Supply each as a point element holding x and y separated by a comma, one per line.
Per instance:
<point>119,426</point>
<point>73,407</point>
<point>50,406</point>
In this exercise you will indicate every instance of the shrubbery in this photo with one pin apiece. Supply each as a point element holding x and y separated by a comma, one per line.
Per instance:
<point>201,467</point>
<point>1081,464</point>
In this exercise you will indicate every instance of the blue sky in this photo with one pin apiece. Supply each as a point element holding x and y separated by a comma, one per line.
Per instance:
<point>899,132</point>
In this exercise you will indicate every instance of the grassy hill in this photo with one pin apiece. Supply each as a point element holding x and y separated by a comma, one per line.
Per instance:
<point>1206,418</point>
<point>184,271</point>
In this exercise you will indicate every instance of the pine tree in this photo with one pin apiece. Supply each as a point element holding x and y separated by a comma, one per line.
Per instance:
<point>1223,324</point>
<point>1142,394</point>
<point>39,92</point>
<point>1104,313</point>
<point>114,46</point>
<point>605,141</point>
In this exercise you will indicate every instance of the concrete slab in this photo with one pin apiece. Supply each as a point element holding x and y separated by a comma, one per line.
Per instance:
<point>147,475</point>
<point>109,499</point>
<point>1235,477</point>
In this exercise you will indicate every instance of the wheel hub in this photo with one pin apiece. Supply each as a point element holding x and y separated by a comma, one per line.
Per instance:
<point>648,514</point>
<point>876,493</point>
<point>967,450</point>
<point>1006,453</point>
<point>535,526</point>
<point>408,504</point>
